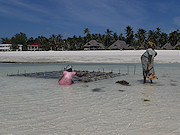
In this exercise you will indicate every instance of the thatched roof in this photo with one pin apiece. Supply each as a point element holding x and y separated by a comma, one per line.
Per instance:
<point>120,45</point>
<point>177,46</point>
<point>167,46</point>
<point>93,44</point>
<point>157,47</point>
<point>141,47</point>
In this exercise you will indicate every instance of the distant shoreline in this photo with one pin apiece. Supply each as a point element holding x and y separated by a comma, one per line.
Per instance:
<point>97,56</point>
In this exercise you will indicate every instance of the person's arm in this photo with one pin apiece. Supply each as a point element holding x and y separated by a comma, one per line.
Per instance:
<point>155,54</point>
<point>80,75</point>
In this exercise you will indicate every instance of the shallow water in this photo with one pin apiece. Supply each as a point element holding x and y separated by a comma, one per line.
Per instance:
<point>40,106</point>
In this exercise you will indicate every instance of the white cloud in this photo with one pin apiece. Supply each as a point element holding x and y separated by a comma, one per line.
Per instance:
<point>106,13</point>
<point>93,12</point>
<point>23,5</point>
<point>26,11</point>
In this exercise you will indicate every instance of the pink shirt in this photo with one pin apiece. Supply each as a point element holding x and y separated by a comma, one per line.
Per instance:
<point>67,78</point>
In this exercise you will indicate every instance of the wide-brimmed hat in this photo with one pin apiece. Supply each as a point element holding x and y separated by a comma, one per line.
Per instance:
<point>68,67</point>
<point>151,44</point>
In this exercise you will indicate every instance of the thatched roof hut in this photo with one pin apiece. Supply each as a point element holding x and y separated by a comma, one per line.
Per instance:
<point>157,48</point>
<point>167,46</point>
<point>141,47</point>
<point>93,45</point>
<point>120,45</point>
<point>177,46</point>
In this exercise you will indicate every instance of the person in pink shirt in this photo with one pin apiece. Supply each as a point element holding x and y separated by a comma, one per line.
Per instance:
<point>66,79</point>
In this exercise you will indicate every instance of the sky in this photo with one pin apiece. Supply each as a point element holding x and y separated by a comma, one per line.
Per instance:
<point>70,17</point>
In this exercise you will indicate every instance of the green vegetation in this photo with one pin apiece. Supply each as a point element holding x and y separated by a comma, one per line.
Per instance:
<point>136,40</point>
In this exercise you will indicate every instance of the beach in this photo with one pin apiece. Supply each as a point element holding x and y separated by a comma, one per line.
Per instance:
<point>116,56</point>
<point>39,106</point>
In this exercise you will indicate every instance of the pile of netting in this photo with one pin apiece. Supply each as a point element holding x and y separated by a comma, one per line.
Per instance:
<point>87,76</point>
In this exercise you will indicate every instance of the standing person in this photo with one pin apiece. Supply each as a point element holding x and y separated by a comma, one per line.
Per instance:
<point>147,60</point>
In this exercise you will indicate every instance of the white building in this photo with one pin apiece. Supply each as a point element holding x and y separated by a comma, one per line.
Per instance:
<point>8,47</point>
<point>34,47</point>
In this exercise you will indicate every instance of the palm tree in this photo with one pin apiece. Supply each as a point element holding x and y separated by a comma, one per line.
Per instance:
<point>72,43</point>
<point>55,41</point>
<point>115,37</point>
<point>59,41</point>
<point>94,36</point>
<point>64,45</point>
<point>100,38</point>
<point>44,42</point>
<point>141,37</point>
<point>86,31</point>
<point>30,41</point>
<point>157,36</point>
<point>121,37</point>
<point>19,38</point>
<point>151,36</point>
<point>14,44</point>
<point>163,39</point>
<point>174,37</point>
<point>52,41</point>
<point>5,40</point>
<point>80,43</point>
<point>87,38</point>
<point>129,35</point>
<point>108,37</point>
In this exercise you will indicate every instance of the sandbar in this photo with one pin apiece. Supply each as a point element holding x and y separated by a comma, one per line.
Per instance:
<point>94,56</point>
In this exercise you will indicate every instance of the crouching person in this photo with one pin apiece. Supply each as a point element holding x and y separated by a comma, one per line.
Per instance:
<point>67,77</point>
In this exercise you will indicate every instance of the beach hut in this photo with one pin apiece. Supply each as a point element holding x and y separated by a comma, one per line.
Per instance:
<point>93,45</point>
<point>120,45</point>
<point>167,46</point>
<point>157,48</point>
<point>177,46</point>
<point>34,47</point>
<point>141,47</point>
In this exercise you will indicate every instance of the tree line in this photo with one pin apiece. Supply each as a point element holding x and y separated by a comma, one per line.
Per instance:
<point>136,40</point>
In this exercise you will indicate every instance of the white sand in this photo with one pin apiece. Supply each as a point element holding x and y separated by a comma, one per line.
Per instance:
<point>117,56</point>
